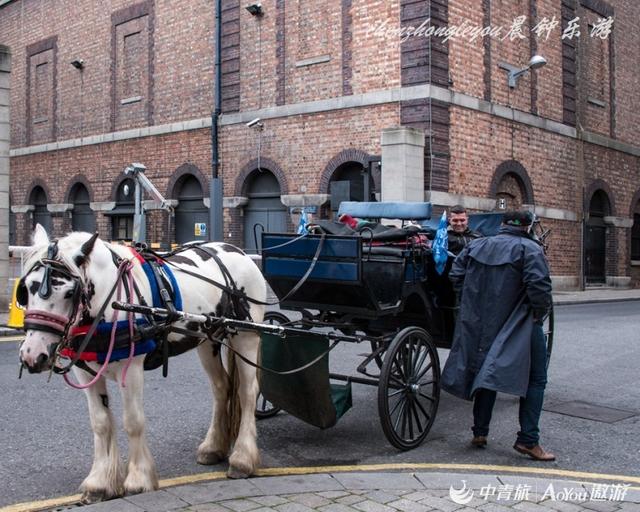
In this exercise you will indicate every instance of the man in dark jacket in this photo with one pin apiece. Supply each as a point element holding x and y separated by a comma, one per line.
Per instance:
<point>505,294</point>
<point>459,233</point>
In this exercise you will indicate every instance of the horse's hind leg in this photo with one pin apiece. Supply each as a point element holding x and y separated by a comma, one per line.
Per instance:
<point>245,457</point>
<point>141,471</point>
<point>215,447</point>
<point>105,478</point>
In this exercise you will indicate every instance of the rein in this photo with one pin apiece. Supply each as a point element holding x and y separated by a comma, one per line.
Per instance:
<point>124,269</point>
<point>233,291</point>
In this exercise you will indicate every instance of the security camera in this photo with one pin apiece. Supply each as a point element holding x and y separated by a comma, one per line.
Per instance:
<point>254,122</point>
<point>78,63</point>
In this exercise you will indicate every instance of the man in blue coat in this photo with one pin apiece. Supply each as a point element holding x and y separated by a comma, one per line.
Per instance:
<point>505,293</point>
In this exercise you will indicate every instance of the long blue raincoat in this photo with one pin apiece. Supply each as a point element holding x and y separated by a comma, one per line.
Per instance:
<point>504,284</point>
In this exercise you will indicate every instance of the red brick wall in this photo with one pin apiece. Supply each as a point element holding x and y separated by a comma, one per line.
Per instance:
<point>103,165</point>
<point>183,63</point>
<point>264,54</point>
<point>480,143</point>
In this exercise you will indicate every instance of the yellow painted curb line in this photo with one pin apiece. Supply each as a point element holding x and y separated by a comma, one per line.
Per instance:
<point>9,339</point>
<point>33,506</point>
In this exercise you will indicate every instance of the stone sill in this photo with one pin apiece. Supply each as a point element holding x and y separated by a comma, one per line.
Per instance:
<point>133,99</point>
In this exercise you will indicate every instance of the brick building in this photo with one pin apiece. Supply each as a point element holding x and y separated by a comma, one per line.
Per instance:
<point>98,85</point>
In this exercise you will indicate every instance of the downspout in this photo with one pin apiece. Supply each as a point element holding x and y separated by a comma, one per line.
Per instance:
<point>215,188</point>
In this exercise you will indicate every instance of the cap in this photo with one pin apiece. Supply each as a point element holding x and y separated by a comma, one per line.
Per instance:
<point>518,218</point>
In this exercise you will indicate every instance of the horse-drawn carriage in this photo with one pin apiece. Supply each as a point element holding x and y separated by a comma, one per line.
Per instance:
<point>374,285</point>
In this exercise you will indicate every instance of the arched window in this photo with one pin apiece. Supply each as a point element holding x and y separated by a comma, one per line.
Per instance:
<point>41,215</point>
<point>349,183</point>
<point>82,216</point>
<point>122,214</point>
<point>510,193</point>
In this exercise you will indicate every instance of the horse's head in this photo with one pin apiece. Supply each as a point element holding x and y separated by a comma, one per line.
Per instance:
<point>52,292</point>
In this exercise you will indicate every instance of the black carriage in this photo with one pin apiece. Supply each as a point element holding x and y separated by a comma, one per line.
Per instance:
<point>375,286</point>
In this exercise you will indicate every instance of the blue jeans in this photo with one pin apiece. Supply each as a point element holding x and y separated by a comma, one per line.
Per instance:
<point>530,405</point>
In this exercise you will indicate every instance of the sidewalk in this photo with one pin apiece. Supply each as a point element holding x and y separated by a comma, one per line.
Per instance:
<point>406,491</point>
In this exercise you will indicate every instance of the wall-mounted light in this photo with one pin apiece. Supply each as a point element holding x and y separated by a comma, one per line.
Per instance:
<point>78,63</point>
<point>255,9</point>
<point>255,123</point>
<point>537,61</point>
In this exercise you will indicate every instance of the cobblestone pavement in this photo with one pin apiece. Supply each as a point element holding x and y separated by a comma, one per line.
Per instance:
<point>384,492</point>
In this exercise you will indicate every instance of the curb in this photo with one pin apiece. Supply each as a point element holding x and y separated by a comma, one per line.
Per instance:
<point>575,302</point>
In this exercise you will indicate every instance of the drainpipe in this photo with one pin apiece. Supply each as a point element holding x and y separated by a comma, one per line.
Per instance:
<point>215,188</point>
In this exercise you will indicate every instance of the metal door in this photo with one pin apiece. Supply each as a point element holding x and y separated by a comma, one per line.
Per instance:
<point>266,213</point>
<point>82,216</point>
<point>192,216</point>
<point>595,250</point>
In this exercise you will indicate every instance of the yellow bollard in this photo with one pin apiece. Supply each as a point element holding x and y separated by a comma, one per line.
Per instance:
<point>16,313</point>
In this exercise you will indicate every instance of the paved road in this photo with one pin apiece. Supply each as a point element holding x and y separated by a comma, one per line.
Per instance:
<point>47,442</point>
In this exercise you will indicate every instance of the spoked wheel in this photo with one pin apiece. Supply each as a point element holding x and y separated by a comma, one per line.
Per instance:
<point>547,327</point>
<point>264,408</point>
<point>409,388</point>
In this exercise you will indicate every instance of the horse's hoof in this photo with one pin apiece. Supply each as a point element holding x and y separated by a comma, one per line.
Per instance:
<point>237,473</point>
<point>137,490</point>
<point>210,458</point>
<point>90,497</point>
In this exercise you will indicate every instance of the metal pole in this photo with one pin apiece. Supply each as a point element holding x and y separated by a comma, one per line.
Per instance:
<point>138,217</point>
<point>215,189</point>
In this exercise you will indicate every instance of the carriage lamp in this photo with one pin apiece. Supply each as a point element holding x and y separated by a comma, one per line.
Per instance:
<point>255,9</point>
<point>536,62</point>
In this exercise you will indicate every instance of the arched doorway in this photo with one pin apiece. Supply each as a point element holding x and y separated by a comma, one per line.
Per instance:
<point>82,216</point>
<point>264,209</point>
<point>351,182</point>
<point>38,198</point>
<point>635,232</point>
<point>191,213</point>
<point>595,239</point>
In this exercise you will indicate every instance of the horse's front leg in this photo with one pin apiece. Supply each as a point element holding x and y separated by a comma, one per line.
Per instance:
<point>141,470</point>
<point>105,478</point>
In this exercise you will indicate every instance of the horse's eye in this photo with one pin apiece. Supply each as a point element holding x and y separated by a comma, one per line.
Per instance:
<point>69,294</point>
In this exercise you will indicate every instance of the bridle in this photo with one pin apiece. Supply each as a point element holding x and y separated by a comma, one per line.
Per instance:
<point>62,326</point>
<point>40,320</point>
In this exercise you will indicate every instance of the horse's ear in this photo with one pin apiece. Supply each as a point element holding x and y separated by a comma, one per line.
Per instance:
<point>40,236</point>
<point>80,258</point>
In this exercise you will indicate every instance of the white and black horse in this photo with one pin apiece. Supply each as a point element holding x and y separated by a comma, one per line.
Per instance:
<point>69,283</point>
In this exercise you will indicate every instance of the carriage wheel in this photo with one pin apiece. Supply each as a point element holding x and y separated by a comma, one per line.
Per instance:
<point>409,388</point>
<point>264,408</point>
<point>547,327</point>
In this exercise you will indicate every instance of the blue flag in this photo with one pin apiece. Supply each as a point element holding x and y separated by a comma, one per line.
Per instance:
<point>302,225</point>
<point>440,248</point>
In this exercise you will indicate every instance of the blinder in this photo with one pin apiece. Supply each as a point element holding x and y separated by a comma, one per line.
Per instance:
<point>52,267</point>
<point>22,294</point>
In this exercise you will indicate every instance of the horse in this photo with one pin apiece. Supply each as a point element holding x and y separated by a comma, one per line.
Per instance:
<point>69,286</point>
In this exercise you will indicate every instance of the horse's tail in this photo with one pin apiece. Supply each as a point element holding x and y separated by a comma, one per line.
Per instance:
<point>235,412</point>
